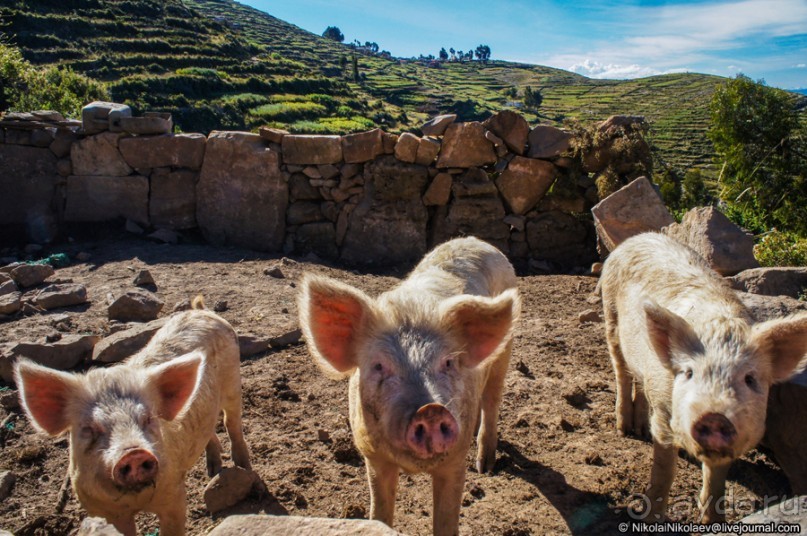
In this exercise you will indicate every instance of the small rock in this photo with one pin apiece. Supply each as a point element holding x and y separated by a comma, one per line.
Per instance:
<point>577,397</point>
<point>354,511</point>
<point>55,296</point>
<point>476,491</point>
<point>181,305</point>
<point>565,425</point>
<point>589,315</point>
<point>123,344</point>
<point>593,458</point>
<point>287,339</point>
<point>29,275</point>
<point>53,337</point>
<point>136,305</point>
<point>594,299</point>
<point>323,435</point>
<point>29,309</point>
<point>97,526</point>
<point>522,367</point>
<point>8,287</point>
<point>7,481</point>
<point>165,235</point>
<point>274,271</point>
<point>250,345</point>
<point>10,303</point>
<point>220,306</point>
<point>143,278</point>
<point>229,487</point>
<point>596,268</point>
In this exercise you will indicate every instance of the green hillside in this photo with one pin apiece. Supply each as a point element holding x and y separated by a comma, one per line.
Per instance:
<point>219,64</point>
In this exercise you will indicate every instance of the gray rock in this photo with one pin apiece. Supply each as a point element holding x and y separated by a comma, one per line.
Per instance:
<point>229,487</point>
<point>63,354</point>
<point>137,305</point>
<point>61,295</point>
<point>32,175</point>
<point>99,155</point>
<point>764,307</point>
<point>97,198</point>
<point>726,247</point>
<point>310,149</point>
<point>287,339</point>
<point>772,281</point>
<point>437,126</point>
<point>250,345</point>
<point>439,190</point>
<point>30,275</point>
<point>166,236</point>
<point>363,146</point>
<point>465,146</point>
<point>274,135</point>
<point>97,116</point>
<point>151,123</point>
<point>546,141</point>
<point>511,127</point>
<point>174,150</point>
<point>123,344</point>
<point>143,278</point>
<point>524,183</point>
<point>10,303</point>
<point>97,526</point>
<point>406,149</point>
<point>172,199</point>
<point>633,209</point>
<point>242,194</point>
<point>259,525</point>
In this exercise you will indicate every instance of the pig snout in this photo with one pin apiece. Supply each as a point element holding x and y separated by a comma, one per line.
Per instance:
<point>432,431</point>
<point>136,469</point>
<point>715,434</point>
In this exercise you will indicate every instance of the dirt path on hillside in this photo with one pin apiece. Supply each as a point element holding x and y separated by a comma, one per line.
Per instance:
<point>561,466</point>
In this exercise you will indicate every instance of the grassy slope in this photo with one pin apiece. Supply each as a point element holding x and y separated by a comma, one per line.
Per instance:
<point>220,64</point>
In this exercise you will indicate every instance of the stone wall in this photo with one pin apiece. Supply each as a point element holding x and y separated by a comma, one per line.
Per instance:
<point>366,198</point>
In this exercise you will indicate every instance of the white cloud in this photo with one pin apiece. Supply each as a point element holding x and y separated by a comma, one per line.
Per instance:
<point>801,65</point>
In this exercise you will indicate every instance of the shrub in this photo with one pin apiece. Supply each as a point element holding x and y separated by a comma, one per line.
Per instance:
<point>778,248</point>
<point>289,111</point>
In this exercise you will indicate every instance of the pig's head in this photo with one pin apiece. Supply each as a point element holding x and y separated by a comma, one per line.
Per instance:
<point>113,416</point>
<point>417,364</point>
<point>722,373</point>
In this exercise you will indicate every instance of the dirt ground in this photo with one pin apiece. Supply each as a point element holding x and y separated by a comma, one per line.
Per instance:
<point>561,467</point>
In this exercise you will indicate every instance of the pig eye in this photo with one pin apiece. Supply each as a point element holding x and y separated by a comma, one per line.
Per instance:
<point>750,381</point>
<point>378,367</point>
<point>449,364</point>
<point>688,374</point>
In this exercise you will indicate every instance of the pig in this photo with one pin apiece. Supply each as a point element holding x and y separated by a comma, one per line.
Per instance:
<point>136,428</point>
<point>691,366</point>
<point>426,361</point>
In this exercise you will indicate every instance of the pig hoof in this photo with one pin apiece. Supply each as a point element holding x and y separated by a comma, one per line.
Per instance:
<point>213,468</point>
<point>485,464</point>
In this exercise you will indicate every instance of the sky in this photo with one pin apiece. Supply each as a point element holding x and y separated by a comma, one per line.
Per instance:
<point>763,39</point>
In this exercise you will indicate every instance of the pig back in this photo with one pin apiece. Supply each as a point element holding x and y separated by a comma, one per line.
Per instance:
<point>206,332</point>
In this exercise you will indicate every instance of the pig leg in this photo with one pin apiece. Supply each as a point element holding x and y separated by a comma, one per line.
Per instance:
<point>488,436</point>
<point>125,526</point>
<point>624,379</point>
<point>447,486</point>
<point>383,479</point>
<point>213,455</point>
<point>234,426</point>
<point>661,479</point>
<point>714,489</point>
<point>172,516</point>
<point>641,411</point>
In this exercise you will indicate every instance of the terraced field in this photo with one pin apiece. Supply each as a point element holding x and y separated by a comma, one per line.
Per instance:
<point>218,64</point>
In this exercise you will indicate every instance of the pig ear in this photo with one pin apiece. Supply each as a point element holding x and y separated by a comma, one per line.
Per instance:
<point>785,341</point>
<point>482,323</point>
<point>176,381</point>
<point>44,394</point>
<point>669,334</point>
<point>332,315</point>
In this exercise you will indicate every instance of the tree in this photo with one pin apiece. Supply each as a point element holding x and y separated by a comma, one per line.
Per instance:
<point>332,32</point>
<point>762,150</point>
<point>453,53</point>
<point>443,54</point>
<point>483,53</point>
<point>532,99</point>
<point>355,69</point>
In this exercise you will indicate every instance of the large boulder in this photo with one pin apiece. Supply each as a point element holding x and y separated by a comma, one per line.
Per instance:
<point>511,127</point>
<point>174,150</point>
<point>99,155</point>
<point>726,247</point>
<point>311,149</point>
<point>772,281</point>
<point>242,195</point>
<point>465,146</point>
<point>388,226</point>
<point>172,199</point>
<point>64,354</point>
<point>546,141</point>
<point>436,126</point>
<point>363,146</point>
<point>95,198</point>
<point>764,307</point>
<point>406,148</point>
<point>524,182</point>
<point>633,209</point>
<point>61,295</point>
<point>136,305</point>
<point>29,177</point>
<point>122,344</point>
<point>258,525</point>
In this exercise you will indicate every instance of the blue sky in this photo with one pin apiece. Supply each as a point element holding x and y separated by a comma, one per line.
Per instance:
<point>760,38</point>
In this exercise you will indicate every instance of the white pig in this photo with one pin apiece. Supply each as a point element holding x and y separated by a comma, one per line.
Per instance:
<point>136,428</point>
<point>426,361</point>
<point>688,357</point>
